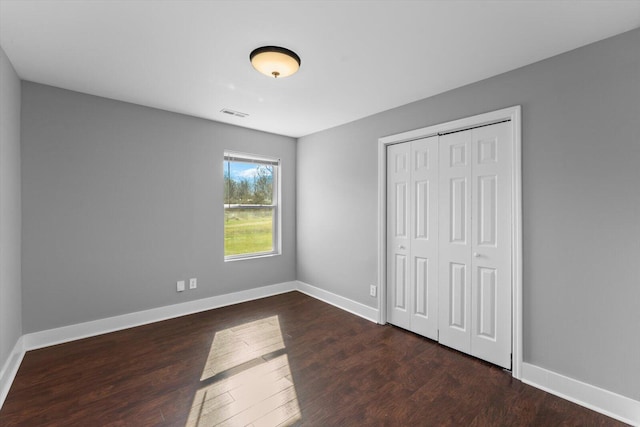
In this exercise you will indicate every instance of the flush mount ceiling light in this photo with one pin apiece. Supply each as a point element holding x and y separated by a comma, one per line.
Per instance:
<point>274,61</point>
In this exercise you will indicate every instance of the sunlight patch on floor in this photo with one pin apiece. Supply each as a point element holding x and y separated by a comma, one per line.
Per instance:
<point>247,379</point>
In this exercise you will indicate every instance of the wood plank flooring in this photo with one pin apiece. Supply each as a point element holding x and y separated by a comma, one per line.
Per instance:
<point>283,360</point>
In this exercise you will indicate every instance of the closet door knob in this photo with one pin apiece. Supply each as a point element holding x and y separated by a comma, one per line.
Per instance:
<point>401,247</point>
<point>476,254</point>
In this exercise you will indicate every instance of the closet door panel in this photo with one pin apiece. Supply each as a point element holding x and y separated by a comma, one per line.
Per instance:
<point>491,240</point>
<point>455,240</point>
<point>398,235</point>
<point>424,237</point>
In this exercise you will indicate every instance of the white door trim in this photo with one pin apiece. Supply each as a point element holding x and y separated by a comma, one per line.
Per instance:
<point>514,115</point>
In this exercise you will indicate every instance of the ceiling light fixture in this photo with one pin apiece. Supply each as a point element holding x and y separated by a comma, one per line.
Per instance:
<point>274,61</point>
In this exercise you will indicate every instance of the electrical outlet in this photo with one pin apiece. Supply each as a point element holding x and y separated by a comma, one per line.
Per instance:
<point>180,286</point>
<point>193,283</point>
<point>373,290</point>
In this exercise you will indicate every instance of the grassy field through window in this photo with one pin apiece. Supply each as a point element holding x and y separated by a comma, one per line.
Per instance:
<point>248,231</point>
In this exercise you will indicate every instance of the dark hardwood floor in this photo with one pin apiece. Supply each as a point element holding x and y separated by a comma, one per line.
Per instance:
<point>283,360</point>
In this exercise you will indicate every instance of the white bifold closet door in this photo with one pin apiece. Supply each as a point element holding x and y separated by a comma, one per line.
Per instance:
<point>449,239</point>
<point>412,236</point>
<point>475,242</point>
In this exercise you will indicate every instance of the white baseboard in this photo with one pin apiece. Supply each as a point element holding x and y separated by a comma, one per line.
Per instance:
<point>10,369</point>
<point>611,404</point>
<point>64,334</point>
<point>343,303</point>
<point>78,331</point>
<point>600,400</point>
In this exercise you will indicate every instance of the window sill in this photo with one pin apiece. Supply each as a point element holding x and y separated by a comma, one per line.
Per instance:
<point>249,257</point>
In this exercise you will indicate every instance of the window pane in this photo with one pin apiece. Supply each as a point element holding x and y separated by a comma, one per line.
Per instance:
<point>248,183</point>
<point>248,231</point>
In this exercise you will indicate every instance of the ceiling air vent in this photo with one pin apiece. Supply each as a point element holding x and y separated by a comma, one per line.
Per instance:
<point>233,113</point>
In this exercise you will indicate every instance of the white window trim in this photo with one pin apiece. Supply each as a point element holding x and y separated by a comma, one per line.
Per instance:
<point>276,203</point>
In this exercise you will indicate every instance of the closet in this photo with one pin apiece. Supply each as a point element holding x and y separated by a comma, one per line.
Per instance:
<point>448,239</point>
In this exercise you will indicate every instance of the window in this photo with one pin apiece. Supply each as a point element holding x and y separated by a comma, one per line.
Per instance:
<point>251,198</point>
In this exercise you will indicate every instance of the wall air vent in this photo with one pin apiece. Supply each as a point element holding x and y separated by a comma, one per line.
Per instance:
<point>233,113</point>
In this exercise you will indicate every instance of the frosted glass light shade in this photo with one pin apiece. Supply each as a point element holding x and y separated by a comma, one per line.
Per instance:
<point>274,61</point>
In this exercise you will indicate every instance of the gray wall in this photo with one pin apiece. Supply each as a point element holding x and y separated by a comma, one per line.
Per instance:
<point>581,172</point>
<point>10,217</point>
<point>120,201</point>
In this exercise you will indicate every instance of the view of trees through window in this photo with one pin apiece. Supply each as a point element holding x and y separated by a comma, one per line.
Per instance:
<point>249,204</point>
<point>248,184</point>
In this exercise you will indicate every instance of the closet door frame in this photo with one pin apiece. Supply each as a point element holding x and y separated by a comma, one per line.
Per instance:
<point>512,114</point>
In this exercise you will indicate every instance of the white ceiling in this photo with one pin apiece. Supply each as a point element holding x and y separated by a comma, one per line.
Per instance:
<point>358,57</point>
